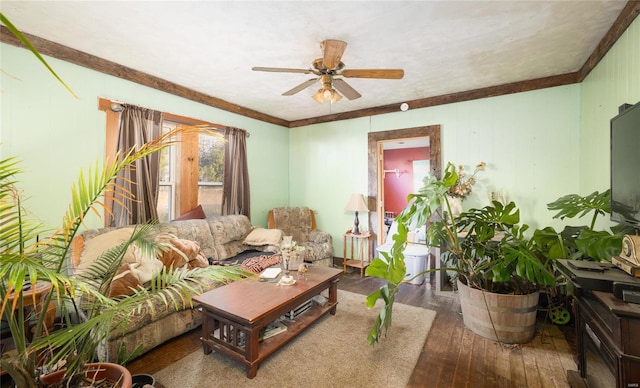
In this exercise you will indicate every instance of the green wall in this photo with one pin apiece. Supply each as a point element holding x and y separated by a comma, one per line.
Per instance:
<point>56,135</point>
<point>538,145</point>
<point>530,142</point>
<point>615,81</point>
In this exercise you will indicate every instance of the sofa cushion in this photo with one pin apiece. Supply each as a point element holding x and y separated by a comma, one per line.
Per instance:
<point>228,234</point>
<point>194,230</point>
<point>155,309</point>
<point>231,228</point>
<point>294,221</point>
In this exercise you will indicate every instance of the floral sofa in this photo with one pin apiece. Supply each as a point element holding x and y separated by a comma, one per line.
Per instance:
<point>215,238</point>
<point>300,223</point>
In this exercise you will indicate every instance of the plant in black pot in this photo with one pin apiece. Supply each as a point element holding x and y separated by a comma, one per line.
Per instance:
<point>581,242</point>
<point>486,248</point>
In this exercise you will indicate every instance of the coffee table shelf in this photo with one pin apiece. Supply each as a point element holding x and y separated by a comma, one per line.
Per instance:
<point>233,315</point>
<point>271,345</point>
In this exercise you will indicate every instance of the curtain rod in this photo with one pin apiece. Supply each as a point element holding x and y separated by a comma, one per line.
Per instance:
<point>116,106</point>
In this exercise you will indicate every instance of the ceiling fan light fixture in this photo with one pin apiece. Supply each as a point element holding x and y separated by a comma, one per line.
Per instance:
<point>336,97</point>
<point>327,93</point>
<point>318,96</point>
<point>327,67</point>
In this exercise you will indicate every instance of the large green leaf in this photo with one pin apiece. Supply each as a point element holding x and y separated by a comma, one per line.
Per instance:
<point>33,50</point>
<point>599,245</point>
<point>574,205</point>
<point>550,243</point>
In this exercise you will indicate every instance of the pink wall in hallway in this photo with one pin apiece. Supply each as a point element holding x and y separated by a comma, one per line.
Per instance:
<point>397,188</point>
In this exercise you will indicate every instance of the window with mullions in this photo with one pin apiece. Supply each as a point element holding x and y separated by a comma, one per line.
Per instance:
<point>176,189</point>
<point>167,191</point>
<point>210,173</point>
<point>183,183</point>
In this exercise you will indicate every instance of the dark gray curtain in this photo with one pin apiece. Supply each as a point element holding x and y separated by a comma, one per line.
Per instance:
<point>137,126</point>
<point>235,185</point>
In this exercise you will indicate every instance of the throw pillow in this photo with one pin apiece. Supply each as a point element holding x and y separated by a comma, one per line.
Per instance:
<point>262,236</point>
<point>179,252</point>
<point>198,262</point>
<point>193,214</point>
<point>145,267</point>
<point>124,283</point>
<point>172,257</point>
<point>94,247</point>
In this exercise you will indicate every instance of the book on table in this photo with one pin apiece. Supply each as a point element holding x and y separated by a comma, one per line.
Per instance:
<point>270,273</point>
<point>272,329</point>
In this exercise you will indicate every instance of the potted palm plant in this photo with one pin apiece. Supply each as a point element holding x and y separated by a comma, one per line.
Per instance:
<point>28,265</point>
<point>486,248</point>
<point>88,315</point>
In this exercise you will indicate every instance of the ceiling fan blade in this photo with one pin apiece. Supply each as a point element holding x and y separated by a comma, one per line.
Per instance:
<point>300,87</point>
<point>346,89</point>
<point>333,50</point>
<point>282,70</point>
<point>373,73</point>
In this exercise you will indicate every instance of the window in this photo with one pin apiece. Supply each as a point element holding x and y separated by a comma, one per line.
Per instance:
<point>167,190</point>
<point>210,173</point>
<point>183,183</point>
<point>175,196</point>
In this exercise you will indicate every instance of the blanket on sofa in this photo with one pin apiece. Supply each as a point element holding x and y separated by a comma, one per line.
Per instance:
<point>255,264</point>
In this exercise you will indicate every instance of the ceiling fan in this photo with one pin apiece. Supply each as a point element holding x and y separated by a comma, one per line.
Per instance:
<point>327,68</point>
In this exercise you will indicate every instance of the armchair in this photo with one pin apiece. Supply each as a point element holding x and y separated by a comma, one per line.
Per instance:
<point>300,222</point>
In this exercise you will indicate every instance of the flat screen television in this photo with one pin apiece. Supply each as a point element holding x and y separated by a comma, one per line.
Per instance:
<point>625,166</point>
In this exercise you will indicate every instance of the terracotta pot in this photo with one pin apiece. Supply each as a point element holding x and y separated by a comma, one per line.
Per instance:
<point>508,319</point>
<point>97,371</point>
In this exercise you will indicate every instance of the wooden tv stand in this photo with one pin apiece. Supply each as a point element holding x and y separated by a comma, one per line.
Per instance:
<point>607,335</point>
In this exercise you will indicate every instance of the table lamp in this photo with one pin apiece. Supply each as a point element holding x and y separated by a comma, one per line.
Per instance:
<point>356,204</point>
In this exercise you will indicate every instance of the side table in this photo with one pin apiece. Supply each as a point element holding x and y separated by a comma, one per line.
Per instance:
<point>33,299</point>
<point>365,251</point>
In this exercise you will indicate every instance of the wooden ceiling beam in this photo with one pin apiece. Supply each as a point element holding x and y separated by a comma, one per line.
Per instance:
<point>624,20</point>
<point>92,62</point>
<point>492,91</point>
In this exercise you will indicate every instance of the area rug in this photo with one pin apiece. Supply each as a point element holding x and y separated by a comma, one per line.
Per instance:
<point>332,353</point>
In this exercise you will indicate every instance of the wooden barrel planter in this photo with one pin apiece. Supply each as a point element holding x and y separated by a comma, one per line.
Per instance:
<point>508,319</point>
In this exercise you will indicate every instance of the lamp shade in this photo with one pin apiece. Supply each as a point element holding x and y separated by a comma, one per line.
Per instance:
<point>356,204</point>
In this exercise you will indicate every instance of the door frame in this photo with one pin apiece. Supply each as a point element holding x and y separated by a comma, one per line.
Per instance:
<point>376,174</point>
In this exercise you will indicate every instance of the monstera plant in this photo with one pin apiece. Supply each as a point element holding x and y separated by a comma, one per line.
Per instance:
<point>487,248</point>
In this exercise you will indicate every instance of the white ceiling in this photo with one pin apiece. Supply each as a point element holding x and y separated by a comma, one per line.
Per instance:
<point>210,46</point>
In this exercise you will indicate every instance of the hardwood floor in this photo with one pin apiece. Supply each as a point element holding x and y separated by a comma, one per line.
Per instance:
<point>452,356</point>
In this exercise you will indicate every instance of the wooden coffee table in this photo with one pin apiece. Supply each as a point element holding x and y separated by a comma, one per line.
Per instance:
<point>234,314</point>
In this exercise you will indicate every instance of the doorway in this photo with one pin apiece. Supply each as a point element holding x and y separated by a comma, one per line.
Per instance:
<point>376,142</point>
